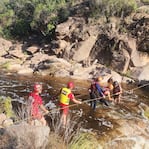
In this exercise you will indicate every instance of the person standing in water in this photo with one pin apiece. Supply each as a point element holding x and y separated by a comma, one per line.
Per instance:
<point>97,93</point>
<point>106,90</point>
<point>117,91</point>
<point>36,105</point>
<point>110,84</point>
<point>65,96</point>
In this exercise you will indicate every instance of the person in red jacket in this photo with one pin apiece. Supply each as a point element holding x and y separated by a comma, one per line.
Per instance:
<point>65,96</point>
<point>36,105</point>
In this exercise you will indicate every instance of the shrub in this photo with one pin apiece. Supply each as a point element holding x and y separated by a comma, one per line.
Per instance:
<point>65,135</point>
<point>112,7</point>
<point>145,2</point>
<point>84,141</point>
<point>6,106</point>
<point>20,18</point>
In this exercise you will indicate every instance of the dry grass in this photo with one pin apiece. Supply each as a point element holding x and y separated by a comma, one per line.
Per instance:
<point>64,135</point>
<point>22,113</point>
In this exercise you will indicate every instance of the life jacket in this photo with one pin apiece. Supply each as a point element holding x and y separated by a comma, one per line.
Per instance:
<point>94,92</point>
<point>116,89</point>
<point>64,96</point>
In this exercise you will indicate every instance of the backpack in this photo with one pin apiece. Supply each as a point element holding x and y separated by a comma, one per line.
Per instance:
<point>93,91</point>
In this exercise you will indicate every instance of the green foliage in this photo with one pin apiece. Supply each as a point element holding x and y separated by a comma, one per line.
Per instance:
<point>18,18</point>
<point>146,112</point>
<point>112,7</point>
<point>20,28</point>
<point>6,106</point>
<point>145,2</point>
<point>63,14</point>
<point>84,141</point>
<point>5,65</point>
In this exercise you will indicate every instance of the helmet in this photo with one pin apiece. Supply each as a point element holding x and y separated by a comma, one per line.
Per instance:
<point>70,85</point>
<point>37,86</point>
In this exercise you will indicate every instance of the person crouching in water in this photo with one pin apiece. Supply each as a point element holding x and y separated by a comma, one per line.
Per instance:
<point>65,96</point>
<point>117,91</point>
<point>36,105</point>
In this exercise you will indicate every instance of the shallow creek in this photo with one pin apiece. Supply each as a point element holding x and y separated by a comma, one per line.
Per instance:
<point>102,121</point>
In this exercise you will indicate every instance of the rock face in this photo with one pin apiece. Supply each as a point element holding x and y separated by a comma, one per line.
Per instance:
<point>83,52</point>
<point>121,45</point>
<point>132,136</point>
<point>29,136</point>
<point>141,73</point>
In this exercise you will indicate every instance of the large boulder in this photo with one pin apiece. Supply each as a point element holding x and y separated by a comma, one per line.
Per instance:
<point>132,134</point>
<point>29,136</point>
<point>4,46</point>
<point>137,58</point>
<point>83,52</point>
<point>140,73</point>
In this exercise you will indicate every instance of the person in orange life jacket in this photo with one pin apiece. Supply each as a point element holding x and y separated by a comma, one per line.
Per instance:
<point>36,105</point>
<point>117,91</point>
<point>96,92</point>
<point>65,96</point>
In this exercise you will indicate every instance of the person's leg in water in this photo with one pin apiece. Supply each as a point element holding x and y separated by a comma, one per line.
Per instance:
<point>93,102</point>
<point>43,121</point>
<point>107,93</point>
<point>64,113</point>
<point>38,116</point>
<point>104,101</point>
<point>117,99</point>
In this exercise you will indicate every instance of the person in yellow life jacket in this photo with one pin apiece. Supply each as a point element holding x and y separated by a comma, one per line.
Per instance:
<point>65,96</point>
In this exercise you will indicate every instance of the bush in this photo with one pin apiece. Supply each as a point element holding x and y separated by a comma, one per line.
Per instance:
<point>84,141</point>
<point>112,7</point>
<point>20,18</point>
<point>6,106</point>
<point>145,2</point>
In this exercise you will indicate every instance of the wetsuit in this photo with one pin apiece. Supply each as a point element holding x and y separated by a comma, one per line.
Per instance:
<point>96,92</point>
<point>116,90</point>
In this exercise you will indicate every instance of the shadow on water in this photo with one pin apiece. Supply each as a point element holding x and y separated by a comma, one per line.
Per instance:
<point>101,121</point>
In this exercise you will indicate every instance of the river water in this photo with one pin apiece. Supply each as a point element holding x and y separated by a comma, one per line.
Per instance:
<point>101,121</point>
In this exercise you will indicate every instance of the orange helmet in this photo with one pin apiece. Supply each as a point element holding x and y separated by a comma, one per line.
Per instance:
<point>70,85</point>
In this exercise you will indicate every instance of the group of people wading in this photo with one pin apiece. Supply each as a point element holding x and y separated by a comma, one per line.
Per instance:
<point>97,92</point>
<point>104,94</point>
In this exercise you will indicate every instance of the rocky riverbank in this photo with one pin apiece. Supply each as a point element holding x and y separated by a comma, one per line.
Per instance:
<point>83,49</point>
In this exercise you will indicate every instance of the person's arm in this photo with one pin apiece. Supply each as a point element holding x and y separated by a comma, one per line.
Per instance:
<point>99,89</point>
<point>72,97</point>
<point>42,107</point>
